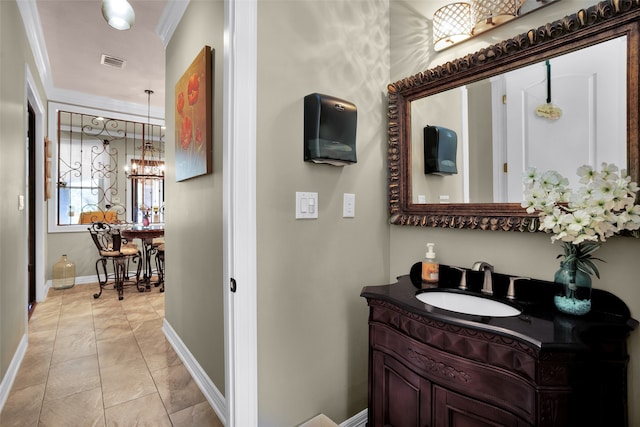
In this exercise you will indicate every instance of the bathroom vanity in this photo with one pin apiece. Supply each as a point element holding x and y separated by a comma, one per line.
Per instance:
<point>434,367</point>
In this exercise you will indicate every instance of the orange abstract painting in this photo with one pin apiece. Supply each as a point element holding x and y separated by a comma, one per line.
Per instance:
<point>193,118</point>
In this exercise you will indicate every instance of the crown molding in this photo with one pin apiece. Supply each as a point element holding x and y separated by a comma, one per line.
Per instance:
<point>31,21</point>
<point>170,19</point>
<point>64,96</point>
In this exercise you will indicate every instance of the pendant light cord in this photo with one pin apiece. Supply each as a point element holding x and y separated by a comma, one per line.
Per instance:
<point>548,82</point>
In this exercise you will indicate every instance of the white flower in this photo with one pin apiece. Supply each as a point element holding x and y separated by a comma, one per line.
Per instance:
<point>552,179</point>
<point>529,177</point>
<point>632,217</point>
<point>552,221</point>
<point>609,171</point>
<point>586,174</point>
<point>603,206</point>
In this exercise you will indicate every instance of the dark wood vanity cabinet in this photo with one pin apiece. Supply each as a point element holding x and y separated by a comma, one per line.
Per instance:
<point>428,370</point>
<point>414,384</point>
<point>404,398</point>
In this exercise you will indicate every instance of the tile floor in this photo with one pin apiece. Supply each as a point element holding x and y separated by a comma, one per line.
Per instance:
<point>103,362</point>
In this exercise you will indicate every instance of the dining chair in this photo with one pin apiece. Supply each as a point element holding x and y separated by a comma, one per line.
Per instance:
<point>116,251</point>
<point>160,265</point>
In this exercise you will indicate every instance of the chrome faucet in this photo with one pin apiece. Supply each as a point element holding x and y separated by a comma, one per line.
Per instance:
<point>487,285</point>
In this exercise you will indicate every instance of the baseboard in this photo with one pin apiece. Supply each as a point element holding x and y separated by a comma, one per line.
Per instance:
<point>81,280</point>
<point>207,387</point>
<point>358,420</point>
<point>12,371</point>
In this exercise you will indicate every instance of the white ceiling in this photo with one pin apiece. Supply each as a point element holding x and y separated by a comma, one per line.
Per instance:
<point>74,36</point>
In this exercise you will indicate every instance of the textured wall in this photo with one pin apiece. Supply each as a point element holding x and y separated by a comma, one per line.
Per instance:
<point>15,55</point>
<point>194,292</point>
<point>312,324</point>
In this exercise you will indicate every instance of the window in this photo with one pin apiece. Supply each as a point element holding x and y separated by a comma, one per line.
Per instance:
<point>106,169</point>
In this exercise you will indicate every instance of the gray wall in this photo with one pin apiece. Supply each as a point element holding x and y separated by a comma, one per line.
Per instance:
<point>523,254</point>
<point>14,53</point>
<point>193,212</point>
<point>312,324</point>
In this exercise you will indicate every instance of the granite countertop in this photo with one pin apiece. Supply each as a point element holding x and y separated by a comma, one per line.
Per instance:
<point>539,325</point>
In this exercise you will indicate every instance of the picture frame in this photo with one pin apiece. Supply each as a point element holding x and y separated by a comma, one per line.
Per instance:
<point>193,118</point>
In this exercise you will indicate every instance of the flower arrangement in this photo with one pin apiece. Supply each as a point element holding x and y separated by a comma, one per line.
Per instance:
<point>583,219</point>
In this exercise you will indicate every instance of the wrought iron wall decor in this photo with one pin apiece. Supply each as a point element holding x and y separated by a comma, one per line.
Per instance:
<point>91,182</point>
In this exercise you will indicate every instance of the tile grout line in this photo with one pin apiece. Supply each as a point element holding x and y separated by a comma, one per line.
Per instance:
<point>95,335</point>
<point>53,347</point>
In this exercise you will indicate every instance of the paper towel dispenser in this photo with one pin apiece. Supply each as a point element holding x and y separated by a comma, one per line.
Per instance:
<point>440,150</point>
<point>329,130</point>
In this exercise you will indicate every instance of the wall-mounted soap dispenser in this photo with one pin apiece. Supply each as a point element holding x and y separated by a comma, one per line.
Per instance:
<point>329,130</point>
<point>440,149</point>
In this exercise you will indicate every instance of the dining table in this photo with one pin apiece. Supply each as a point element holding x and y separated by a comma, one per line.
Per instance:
<point>146,234</point>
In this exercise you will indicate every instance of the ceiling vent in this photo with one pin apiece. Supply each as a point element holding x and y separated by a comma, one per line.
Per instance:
<point>112,61</point>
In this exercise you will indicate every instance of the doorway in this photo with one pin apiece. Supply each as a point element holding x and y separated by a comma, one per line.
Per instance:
<point>31,203</point>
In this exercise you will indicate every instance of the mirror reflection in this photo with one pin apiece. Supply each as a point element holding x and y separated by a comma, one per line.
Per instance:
<point>556,114</point>
<point>108,170</point>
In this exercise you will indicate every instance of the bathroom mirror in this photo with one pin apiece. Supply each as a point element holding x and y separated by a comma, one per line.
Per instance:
<point>414,100</point>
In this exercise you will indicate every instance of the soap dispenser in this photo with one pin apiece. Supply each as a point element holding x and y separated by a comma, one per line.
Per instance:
<point>430,267</point>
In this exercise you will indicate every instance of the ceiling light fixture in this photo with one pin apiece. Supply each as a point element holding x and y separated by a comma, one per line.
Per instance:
<point>118,13</point>
<point>150,165</point>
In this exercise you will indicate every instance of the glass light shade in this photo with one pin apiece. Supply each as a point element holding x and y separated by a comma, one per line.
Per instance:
<point>487,14</point>
<point>118,13</point>
<point>451,24</point>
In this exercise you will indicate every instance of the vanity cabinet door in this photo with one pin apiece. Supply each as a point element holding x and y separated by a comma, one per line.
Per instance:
<point>455,410</point>
<point>401,398</point>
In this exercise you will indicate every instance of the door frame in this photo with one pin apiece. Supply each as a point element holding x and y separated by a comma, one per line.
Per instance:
<point>32,96</point>
<point>239,211</point>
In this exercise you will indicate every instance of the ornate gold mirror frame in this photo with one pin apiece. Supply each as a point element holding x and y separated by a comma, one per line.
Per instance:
<point>601,22</point>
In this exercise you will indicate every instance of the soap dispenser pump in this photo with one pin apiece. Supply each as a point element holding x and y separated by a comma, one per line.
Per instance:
<point>430,267</point>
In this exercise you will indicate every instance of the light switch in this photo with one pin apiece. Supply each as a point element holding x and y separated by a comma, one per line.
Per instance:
<point>20,202</point>
<point>348,205</point>
<point>306,205</point>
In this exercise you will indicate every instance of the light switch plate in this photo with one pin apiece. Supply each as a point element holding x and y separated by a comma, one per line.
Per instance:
<point>306,205</point>
<point>348,205</point>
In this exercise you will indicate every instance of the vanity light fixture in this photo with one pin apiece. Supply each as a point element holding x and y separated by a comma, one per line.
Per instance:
<point>118,13</point>
<point>487,14</point>
<point>458,21</point>
<point>451,24</point>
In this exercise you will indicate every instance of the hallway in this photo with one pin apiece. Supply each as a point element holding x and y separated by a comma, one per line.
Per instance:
<point>103,362</point>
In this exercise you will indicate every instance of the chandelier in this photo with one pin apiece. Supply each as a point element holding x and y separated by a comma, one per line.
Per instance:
<point>150,165</point>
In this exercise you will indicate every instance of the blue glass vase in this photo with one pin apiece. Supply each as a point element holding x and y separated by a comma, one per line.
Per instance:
<point>573,290</point>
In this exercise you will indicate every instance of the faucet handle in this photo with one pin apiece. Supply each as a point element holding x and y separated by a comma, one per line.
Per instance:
<point>511,292</point>
<point>463,279</point>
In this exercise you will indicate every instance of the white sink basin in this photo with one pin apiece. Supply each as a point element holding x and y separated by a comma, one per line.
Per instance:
<point>467,304</point>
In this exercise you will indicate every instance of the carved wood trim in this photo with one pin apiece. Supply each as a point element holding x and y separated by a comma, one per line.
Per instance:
<point>600,22</point>
<point>439,368</point>
<point>498,350</point>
